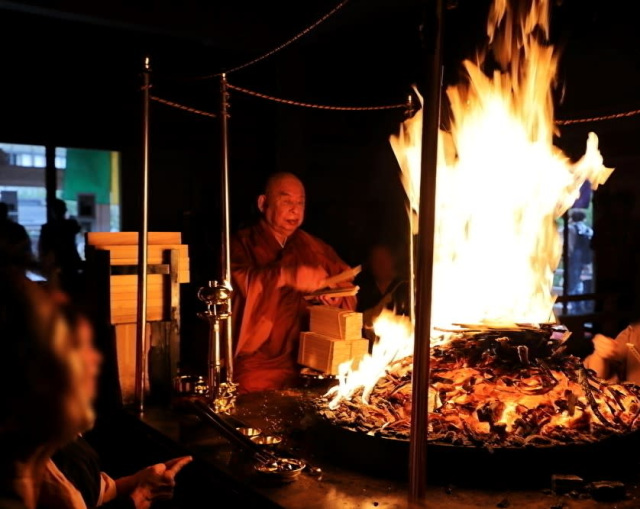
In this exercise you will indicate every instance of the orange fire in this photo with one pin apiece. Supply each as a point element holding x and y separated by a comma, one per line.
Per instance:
<point>501,185</point>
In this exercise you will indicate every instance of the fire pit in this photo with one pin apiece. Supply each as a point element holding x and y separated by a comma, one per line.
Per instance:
<point>496,388</point>
<point>507,408</point>
<point>502,387</point>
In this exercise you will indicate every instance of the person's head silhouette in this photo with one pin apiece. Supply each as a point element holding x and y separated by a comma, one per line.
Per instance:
<point>59,209</point>
<point>578,215</point>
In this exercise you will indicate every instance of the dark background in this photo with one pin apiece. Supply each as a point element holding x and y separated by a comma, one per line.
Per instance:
<point>71,77</point>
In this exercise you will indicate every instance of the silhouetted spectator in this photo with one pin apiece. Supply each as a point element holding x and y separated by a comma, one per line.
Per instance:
<point>76,480</point>
<point>15,244</point>
<point>58,250</point>
<point>41,406</point>
<point>580,255</point>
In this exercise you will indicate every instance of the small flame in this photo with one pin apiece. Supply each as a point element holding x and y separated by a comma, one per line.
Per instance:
<point>396,342</point>
<point>501,184</point>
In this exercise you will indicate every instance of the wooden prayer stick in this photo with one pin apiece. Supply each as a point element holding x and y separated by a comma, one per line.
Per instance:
<point>347,275</point>
<point>333,292</point>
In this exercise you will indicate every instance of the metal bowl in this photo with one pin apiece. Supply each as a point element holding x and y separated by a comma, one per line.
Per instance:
<point>283,469</point>
<point>266,440</point>
<point>250,432</point>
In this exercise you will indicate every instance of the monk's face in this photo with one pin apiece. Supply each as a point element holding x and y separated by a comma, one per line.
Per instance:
<point>283,205</point>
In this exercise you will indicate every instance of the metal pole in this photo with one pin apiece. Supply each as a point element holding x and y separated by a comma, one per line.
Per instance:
<point>421,355</point>
<point>412,241</point>
<point>224,189</point>
<point>141,350</point>
<point>565,262</point>
<point>50,178</point>
<point>412,273</point>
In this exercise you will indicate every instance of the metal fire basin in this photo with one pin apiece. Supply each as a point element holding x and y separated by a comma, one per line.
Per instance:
<point>358,470</point>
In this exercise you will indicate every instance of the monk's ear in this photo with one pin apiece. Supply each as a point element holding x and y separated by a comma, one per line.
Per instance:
<point>262,200</point>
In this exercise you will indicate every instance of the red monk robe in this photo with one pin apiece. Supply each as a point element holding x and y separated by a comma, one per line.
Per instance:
<point>267,315</point>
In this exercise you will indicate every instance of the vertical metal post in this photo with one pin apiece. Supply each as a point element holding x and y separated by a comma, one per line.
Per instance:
<point>50,178</point>
<point>412,272</point>
<point>225,257</point>
<point>426,240</point>
<point>412,240</point>
<point>565,262</point>
<point>141,337</point>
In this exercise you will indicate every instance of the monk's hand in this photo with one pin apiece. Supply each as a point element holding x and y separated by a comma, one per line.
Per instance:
<point>304,278</point>
<point>330,301</point>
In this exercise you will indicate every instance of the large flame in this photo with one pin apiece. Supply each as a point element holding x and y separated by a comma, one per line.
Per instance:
<point>501,184</point>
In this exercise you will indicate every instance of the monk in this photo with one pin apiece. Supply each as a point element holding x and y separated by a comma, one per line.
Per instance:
<point>273,264</point>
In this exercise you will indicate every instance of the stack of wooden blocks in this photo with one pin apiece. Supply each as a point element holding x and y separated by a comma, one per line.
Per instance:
<point>112,260</point>
<point>335,337</point>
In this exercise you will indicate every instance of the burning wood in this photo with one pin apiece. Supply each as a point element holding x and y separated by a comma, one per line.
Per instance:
<point>497,388</point>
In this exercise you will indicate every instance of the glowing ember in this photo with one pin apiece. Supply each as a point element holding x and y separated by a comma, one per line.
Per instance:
<point>501,185</point>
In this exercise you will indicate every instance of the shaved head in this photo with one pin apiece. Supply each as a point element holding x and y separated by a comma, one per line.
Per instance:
<point>276,179</point>
<point>282,204</point>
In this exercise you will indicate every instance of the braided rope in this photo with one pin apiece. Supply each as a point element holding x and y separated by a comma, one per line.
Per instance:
<point>613,116</point>
<point>182,107</point>
<point>315,106</point>
<point>290,102</point>
<point>278,48</point>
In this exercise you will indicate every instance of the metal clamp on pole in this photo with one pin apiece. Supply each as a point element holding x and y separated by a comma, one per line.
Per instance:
<point>217,297</point>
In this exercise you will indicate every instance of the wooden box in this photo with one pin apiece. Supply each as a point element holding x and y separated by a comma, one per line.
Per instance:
<point>335,322</point>
<point>325,354</point>
<point>123,287</point>
<point>112,267</point>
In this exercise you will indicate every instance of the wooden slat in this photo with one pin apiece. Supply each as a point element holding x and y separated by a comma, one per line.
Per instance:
<point>131,315</point>
<point>131,238</point>
<point>126,353</point>
<point>132,301</point>
<point>152,280</point>
<point>132,280</point>
<point>155,251</point>
<point>125,289</point>
<point>183,273</point>
<point>121,255</point>
<point>118,306</point>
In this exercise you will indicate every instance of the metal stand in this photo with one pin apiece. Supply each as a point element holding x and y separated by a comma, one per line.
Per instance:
<point>221,395</point>
<point>141,337</point>
<point>225,255</point>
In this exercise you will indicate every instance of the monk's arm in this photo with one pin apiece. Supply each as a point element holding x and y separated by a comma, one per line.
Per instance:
<point>249,276</point>
<point>245,272</point>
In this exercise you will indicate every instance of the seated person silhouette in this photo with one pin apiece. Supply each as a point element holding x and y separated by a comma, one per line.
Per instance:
<point>58,251</point>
